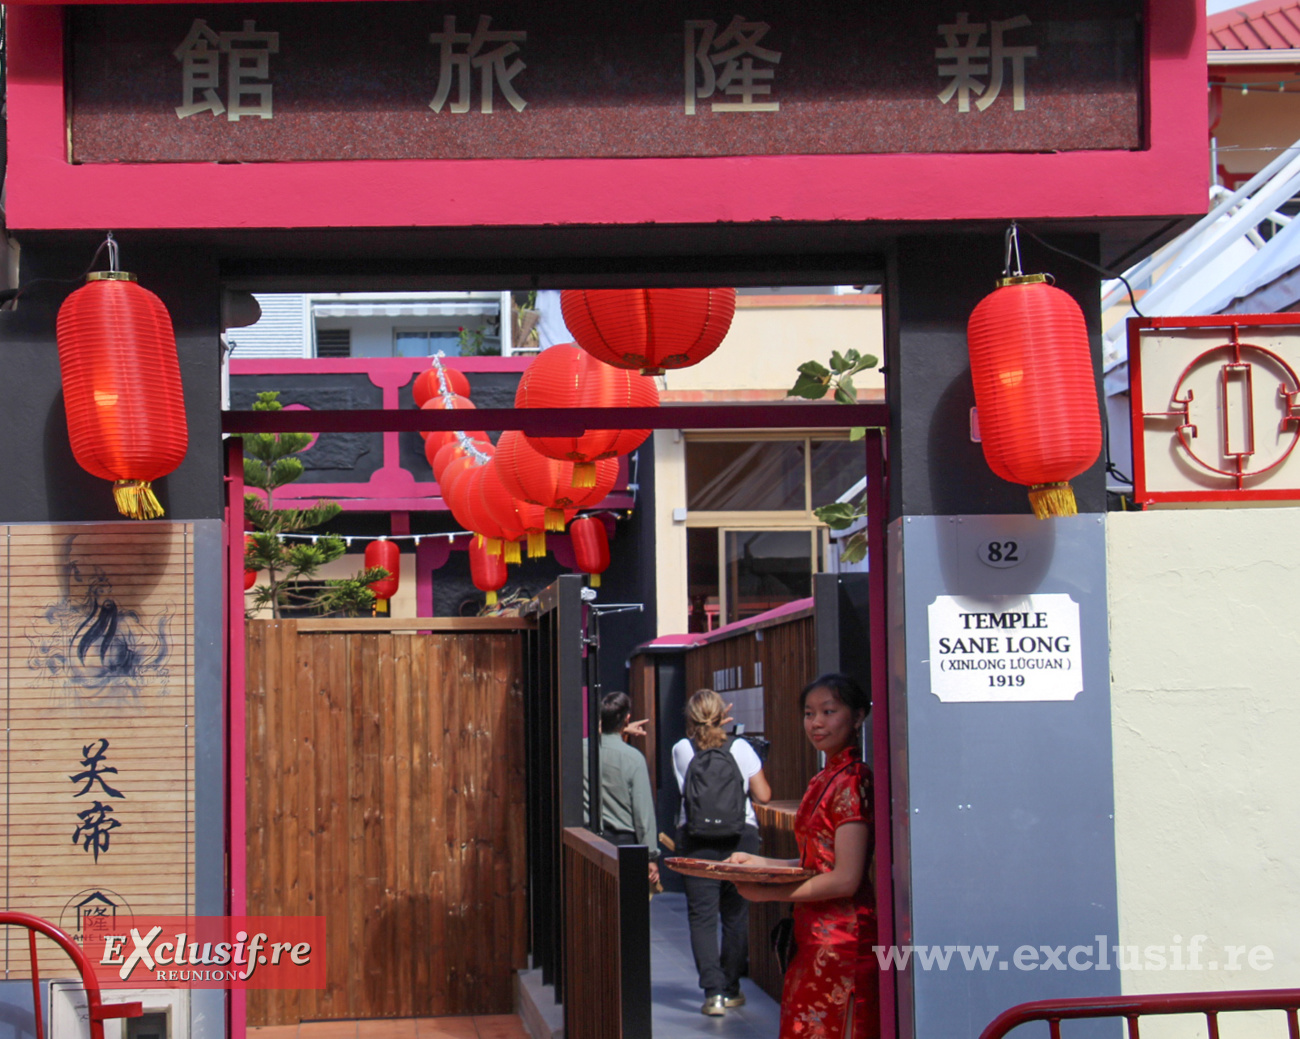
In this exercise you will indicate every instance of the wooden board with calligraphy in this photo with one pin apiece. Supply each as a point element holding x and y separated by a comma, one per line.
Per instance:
<point>308,82</point>
<point>98,768</point>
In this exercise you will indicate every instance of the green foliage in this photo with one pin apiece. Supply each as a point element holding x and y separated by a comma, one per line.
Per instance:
<point>268,465</point>
<point>814,381</point>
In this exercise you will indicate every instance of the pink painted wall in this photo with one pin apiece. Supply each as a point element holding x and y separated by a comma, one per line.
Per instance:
<point>45,191</point>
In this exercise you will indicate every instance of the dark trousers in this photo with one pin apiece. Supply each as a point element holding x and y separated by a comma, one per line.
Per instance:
<point>709,900</point>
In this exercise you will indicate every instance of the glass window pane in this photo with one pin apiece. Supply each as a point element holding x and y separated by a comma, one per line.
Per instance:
<point>765,569</point>
<point>702,577</point>
<point>408,343</point>
<point>836,466</point>
<point>746,476</point>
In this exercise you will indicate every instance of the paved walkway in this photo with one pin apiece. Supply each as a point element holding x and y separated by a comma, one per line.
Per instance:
<point>676,989</point>
<point>495,1026</point>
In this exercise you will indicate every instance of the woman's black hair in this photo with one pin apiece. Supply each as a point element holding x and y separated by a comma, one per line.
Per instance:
<point>845,689</point>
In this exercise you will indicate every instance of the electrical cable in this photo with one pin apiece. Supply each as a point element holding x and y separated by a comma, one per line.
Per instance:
<point>8,296</point>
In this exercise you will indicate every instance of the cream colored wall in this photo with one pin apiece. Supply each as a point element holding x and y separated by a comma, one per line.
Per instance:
<point>401,605</point>
<point>671,602</point>
<point>1204,619</point>
<point>1254,125</point>
<point>772,335</point>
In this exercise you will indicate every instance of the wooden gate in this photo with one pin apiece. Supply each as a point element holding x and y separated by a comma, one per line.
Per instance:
<point>386,793</point>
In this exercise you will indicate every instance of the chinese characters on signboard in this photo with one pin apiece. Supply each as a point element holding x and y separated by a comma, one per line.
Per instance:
<point>716,63</point>
<point>97,822</point>
<point>262,83</point>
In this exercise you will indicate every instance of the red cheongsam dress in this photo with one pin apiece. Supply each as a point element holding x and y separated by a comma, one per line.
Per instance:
<point>833,979</point>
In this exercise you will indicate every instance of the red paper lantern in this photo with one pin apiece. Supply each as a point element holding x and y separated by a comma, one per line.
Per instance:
<point>250,576</point>
<point>650,329</point>
<point>122,388</point>
<point>564,376</point>
<point>490,533</point>
<point>590,547</point>
<point>427,384</point>
<point>437,404</point>
<point>1035,389</point>
<point>387,555</point>
<point>451,444</point>
<point>504,510</point>
<point>454,486</point>
<point>488,571</point>
<point>532,477</point>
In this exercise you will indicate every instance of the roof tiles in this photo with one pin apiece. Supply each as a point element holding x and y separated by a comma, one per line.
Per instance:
<point>1262,26</point>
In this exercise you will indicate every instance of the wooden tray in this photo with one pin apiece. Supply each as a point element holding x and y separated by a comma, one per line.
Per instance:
<point>708,869</point>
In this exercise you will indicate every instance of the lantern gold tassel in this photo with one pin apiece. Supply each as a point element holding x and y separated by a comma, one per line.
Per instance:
<point>135,498</point>
<point>493,546</point>
<point>536,544</point>
<point>595,580</point>
<point>584,474</point>
<point>1052,499</point>
<point>512,552</point>
<point>555,520</point>
<point>491,598</point>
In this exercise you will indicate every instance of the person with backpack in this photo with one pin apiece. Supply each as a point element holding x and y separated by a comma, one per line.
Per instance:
<point>720,778</point>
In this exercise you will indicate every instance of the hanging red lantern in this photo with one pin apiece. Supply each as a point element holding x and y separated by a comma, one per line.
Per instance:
<point>1035,389</point>
<point>438,404</point>
<point>650,329</point>
<point>427,384</point>
<point>504,510</point>
<point>564,376</point>
<point>122,387</point>
<point>590,547</point>
<point>532,477</point>
<point>488,571</point>
<point>250,576</point>
<point>436,445</point>
<point>454,485</point>
<point>389,556</point>
<point>481,521</point>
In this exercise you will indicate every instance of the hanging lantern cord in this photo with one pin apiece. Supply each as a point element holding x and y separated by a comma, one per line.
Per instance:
<point>1012,249</point>
<point>8,297</point>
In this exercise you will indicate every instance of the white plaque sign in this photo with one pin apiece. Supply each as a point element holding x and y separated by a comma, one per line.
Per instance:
<point>1005,647</point>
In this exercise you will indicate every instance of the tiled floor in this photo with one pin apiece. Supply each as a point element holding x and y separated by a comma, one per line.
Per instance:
<point>674,986</point>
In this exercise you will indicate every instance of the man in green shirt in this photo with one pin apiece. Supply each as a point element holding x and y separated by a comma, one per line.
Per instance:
<point>626,802</point>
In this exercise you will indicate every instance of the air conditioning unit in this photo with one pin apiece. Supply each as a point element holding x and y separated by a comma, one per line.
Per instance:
<point>166,1013</point>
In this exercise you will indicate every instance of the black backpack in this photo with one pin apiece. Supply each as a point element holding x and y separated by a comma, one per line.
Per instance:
<point>714,794</point>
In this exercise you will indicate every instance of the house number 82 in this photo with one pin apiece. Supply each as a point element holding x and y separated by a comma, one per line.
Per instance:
<point>1000,554</point>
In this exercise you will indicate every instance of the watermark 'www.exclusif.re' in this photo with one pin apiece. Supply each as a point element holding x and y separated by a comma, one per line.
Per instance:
<point>1098,956</point>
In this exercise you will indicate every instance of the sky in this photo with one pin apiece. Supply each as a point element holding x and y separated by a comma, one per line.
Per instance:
<point>1215,6</point>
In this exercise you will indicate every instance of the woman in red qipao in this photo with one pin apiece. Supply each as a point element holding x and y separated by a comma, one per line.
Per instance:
<point>832,984</point>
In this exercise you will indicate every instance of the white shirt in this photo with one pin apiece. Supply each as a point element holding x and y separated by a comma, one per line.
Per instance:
<point>750,765</point>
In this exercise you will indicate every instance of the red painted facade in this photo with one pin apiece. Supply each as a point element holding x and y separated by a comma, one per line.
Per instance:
<point>44,191</point>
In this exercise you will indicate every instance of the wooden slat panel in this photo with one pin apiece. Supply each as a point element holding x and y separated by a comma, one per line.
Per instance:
<point>404,825</point>
<point>96,622</point>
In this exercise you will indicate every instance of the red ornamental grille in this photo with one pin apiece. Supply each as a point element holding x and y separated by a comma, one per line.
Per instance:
<point>650,329</point>
<point>121,381</point>
<point>1034,384</point>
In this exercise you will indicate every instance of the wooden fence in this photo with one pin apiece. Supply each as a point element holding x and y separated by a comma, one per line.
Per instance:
<point>784,653</point>
<point>385,785</point>
<point>607,939</point>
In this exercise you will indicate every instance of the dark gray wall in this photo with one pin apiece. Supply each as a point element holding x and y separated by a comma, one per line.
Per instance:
<point>42,481</point>
<point>933,285</point>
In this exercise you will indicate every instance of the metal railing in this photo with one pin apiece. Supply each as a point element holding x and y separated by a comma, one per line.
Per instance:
<point>1131,1008</point>
<point>96,1010</point>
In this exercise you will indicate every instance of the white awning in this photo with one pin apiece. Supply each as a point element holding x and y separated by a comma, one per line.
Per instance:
<point>465,309</point>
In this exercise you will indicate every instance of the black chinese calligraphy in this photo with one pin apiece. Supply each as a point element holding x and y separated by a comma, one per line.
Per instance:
<point>95,770</point>
<point>94,831</point>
